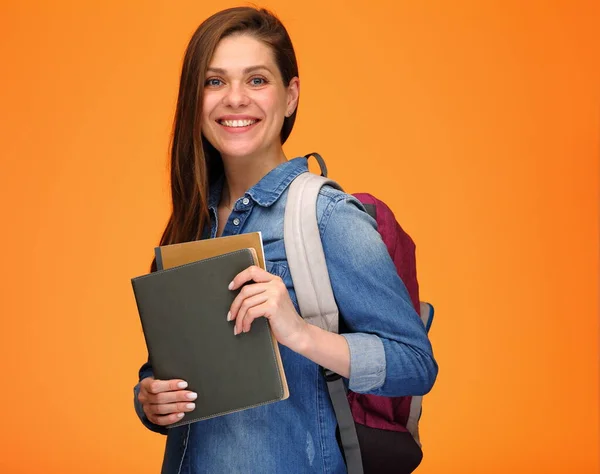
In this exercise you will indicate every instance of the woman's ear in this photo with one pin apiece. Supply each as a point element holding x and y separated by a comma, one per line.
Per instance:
<point>293,92</point>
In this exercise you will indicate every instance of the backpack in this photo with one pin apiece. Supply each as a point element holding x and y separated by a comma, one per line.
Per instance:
<point>376,433</point>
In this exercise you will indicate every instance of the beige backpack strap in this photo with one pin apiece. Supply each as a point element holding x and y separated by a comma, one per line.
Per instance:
<point>306,260</point>
<point>307,265</point>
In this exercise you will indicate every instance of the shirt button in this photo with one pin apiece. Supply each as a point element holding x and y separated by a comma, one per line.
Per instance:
<point>236,221</point>
<point>245,201</point>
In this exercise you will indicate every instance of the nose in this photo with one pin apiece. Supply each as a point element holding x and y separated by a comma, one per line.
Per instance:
<point>235,96</point>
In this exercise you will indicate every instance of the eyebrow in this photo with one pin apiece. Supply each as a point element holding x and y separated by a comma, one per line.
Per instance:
<point>247,70</point>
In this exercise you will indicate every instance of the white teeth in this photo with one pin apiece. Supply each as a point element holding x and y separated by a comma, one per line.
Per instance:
<point>237,123</point>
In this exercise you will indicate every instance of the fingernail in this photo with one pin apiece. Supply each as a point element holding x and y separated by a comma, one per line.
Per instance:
<point>235,330</point>
<point>190,406</point>
<point>191,396</point>
<point>182,385</point>
<point>230,286</point>
<point>229,316</point>
<point>179,415</point>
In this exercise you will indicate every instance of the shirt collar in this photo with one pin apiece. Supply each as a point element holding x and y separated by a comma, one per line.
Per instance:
<point>270,187</point>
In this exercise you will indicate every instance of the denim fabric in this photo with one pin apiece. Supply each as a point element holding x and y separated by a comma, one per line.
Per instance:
<point>390,353</point>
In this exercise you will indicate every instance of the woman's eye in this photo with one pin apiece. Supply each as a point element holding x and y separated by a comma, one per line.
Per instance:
<point>213,82</point>
<point>258,81</point>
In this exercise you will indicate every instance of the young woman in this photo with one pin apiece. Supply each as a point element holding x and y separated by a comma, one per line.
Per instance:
<point>237,105</point>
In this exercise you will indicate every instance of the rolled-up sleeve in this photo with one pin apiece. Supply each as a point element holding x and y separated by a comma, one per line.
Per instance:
<point>367,362</point>
<point>390,353</point>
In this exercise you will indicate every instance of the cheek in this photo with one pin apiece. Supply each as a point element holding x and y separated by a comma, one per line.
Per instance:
<point>208,105</point>
<point>205,121</point>
<point>273,103</point>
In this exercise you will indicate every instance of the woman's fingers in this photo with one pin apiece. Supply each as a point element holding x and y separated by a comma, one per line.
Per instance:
<point>165,401</point>
<point>253,273</point>
<point>168,408</point>
<point>164,391</point>
<point>246,293</point>
<point>247,312</point>
<point>155,386</point>
<point>265,293</point>
<point>173,397</point>
<point>164,420</point>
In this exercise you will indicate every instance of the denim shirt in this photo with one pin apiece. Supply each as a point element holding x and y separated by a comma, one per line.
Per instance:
<point>390,353</point>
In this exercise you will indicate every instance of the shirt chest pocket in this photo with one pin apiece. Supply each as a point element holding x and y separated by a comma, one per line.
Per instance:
<point>279,269</point>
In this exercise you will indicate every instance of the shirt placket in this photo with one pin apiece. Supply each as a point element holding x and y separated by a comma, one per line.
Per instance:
<point>237,218</point>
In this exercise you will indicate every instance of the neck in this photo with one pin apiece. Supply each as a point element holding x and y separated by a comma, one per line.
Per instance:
<point>241,173</point>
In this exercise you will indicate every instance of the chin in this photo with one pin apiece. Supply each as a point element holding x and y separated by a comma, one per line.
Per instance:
<point>238,150</point>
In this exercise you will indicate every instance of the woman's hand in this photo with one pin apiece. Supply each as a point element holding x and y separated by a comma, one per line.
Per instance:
<point>266,297</point>
<point>165,401</point>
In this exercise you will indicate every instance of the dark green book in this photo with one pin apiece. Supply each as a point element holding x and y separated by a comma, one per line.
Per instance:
<point>183,311</point>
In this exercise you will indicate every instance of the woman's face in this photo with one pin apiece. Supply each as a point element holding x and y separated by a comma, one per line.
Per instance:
<point>245,101</point>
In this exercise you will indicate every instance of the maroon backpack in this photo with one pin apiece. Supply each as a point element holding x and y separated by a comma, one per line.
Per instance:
<point>386,435</point>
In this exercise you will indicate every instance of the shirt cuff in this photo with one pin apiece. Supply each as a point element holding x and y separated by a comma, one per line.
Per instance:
<point>142,416</point>
<point>367,362</point>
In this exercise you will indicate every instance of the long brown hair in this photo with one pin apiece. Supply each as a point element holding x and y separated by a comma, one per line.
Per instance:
<point>194,162</point>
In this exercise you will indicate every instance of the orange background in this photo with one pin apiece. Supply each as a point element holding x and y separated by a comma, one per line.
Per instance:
<point>478,122</point>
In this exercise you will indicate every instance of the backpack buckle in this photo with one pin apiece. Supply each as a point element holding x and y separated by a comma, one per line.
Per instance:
<point>329,375</point>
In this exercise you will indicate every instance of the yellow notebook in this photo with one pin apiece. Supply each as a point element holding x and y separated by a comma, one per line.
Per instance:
<point>168,256</point>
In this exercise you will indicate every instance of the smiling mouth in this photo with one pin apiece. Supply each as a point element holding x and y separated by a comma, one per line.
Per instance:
<point>237,123</point>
